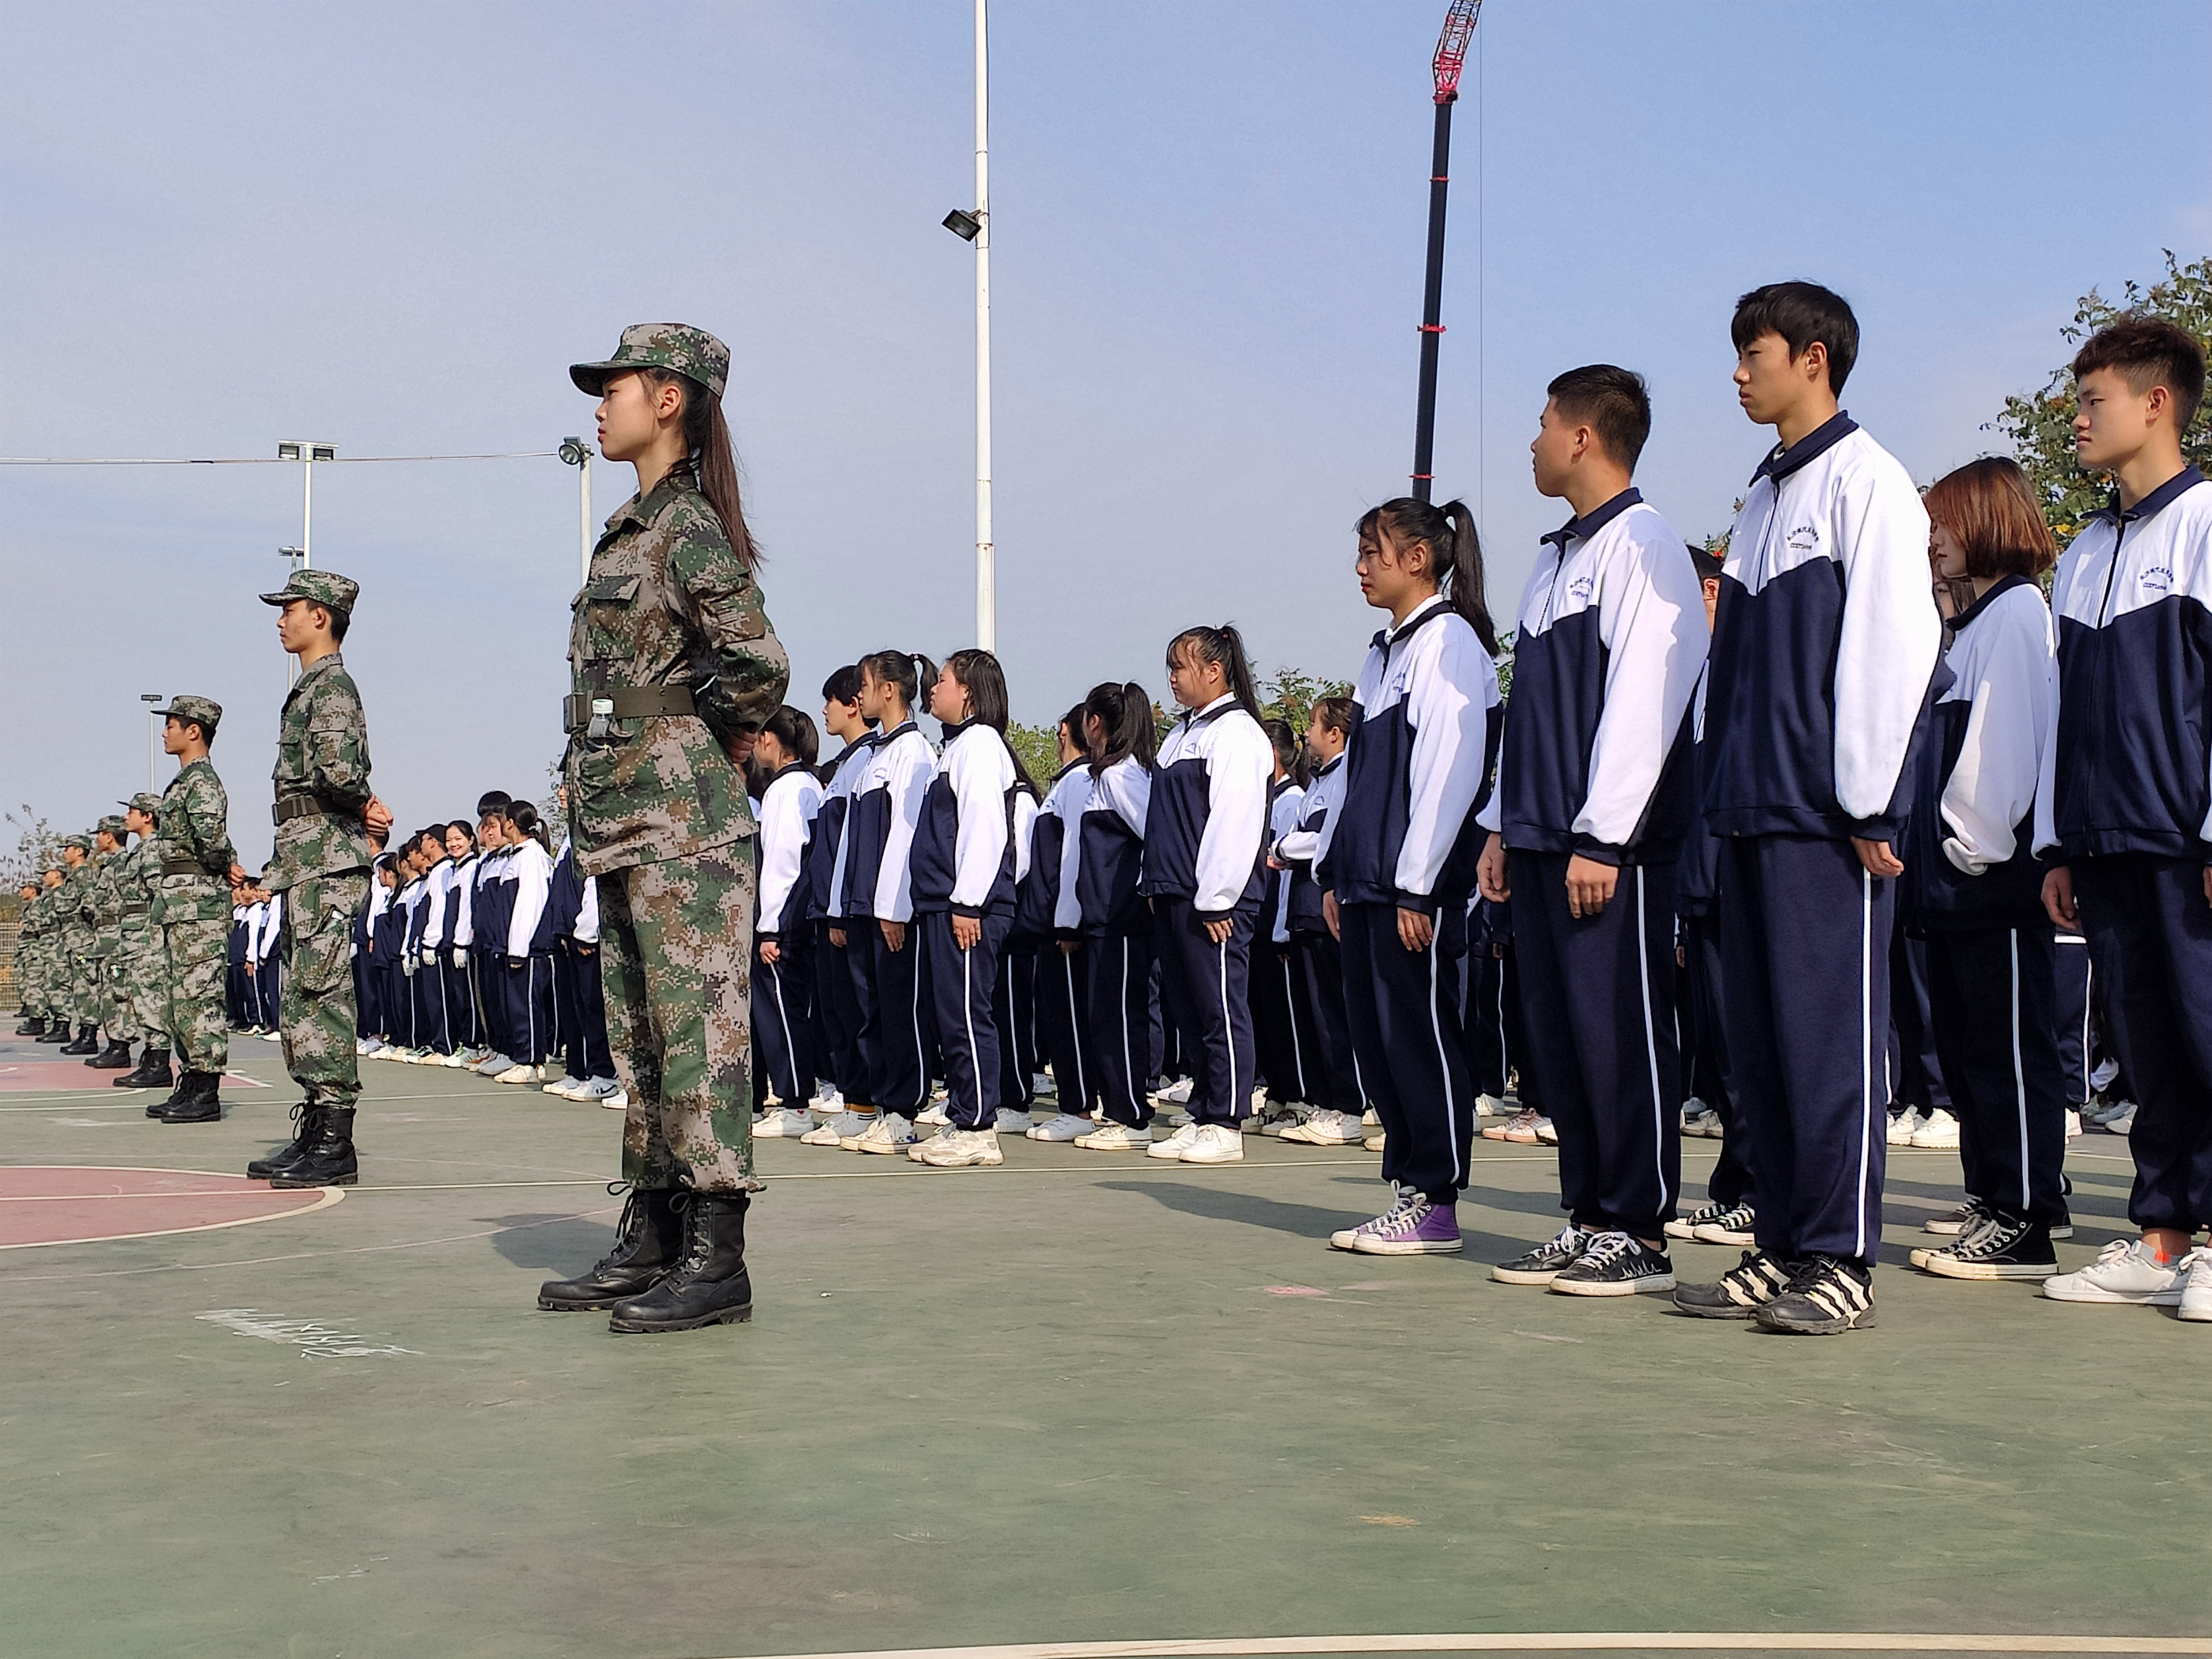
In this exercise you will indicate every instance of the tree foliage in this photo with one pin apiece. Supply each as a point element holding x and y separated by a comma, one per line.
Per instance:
<point>2040,424</point>
<point>37,847</point>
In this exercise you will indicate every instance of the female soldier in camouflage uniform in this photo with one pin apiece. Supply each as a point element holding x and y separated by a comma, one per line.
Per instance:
<point>673,669</point>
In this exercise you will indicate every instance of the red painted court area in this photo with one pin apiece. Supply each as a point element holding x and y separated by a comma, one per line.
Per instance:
<point>58,1076</point>
<point>75,1204</point>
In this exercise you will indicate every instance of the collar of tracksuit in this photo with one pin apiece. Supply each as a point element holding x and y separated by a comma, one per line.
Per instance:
<point>1584,525</point>
<point>1220,706</point>
<point>2113,513</point>
<point>1780,463</point>
<point>2005,584</point>
<point>1422,614</point>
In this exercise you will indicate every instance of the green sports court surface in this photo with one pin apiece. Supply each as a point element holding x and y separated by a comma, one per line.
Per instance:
<point>1083,1399</point>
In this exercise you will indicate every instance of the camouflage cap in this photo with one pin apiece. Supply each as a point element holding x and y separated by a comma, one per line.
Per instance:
<point>691,352</point>
<point>324,587</point>
<point>144,801</point>
<point>111,825</point>
<point>82,844</point>
<point>202,712</point>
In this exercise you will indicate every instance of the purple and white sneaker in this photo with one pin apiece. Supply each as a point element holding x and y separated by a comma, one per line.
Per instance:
<point>1417,1227</point>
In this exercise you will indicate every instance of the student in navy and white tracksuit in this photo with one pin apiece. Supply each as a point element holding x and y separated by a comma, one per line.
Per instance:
<point>1104,866</point>
<point>1398,861</point>
<point>783,938</point>
<point>1823,651</point>
<point>435,1022</point>
<point>1204,872</point>
<point>962,895</point>
<point>1490,1013</point>
<point>836,1006</point>
<point>580,986</point>
<point>387,924</point>
<point>872,891</point>
<point>1013,1001</point>
<point>1282,1019</point>
<point>454,963</point>
<point>1586,821</point>
<point>1332,1071</point>
<point>368,990</point>
<point>2128,805</point>
<point>268,976</point>
<point>1973,886</point>
<point>526,968</point>
<point>1047,910</point>
<point>491,909</point>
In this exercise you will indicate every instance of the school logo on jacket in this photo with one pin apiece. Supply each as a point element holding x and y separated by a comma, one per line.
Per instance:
<point>1580,589</point>
<point>1804,539</point>
<point>2155,578</point>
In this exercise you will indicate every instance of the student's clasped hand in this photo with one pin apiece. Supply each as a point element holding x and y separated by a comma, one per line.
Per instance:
<point>1589,885</point>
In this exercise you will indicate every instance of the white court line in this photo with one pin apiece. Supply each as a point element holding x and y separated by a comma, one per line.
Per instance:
<point>324,1197</point>
<point>1560,1642</point>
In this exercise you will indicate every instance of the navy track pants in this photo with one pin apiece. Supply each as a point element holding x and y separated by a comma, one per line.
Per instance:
<point>1402,1007</point>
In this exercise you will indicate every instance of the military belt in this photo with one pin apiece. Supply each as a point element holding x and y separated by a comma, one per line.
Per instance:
<point>185,867</point>
<point>298,806</point>
<point>626,702</point>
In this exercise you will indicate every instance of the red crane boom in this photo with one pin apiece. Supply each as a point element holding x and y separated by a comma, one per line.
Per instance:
<point>1451,46</point>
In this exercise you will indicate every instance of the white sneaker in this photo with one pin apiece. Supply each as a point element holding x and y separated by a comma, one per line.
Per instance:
<point>606,1091</point>
<point>836,1131</point>
<point>566,1087</point>
<point>2125,1270</point>
<point>492,1065</point>
<point>1705,1123</point>
<point>459,1057</point>
<point>1328,1128</point>
<point>1376,1142</point>
<point>827,1101</point>
<point>1490,1106</point>
<point>1115,1138</point>
<point>1180,1120</point>
<point>517,1074</point>
<point>783,1123</point>
<point>1904,1127</point>
<point>1063,1127</point>
<point>1042,1084</point>
<point>2197,1288</point>
<point>1011,1121</point>
<point>360,1045</point>
<point>888,1135</point>
<point>1368,1120</point>
<point>272,1036</point>
<point>1172,1149</point>
<point>1259,1102</point>
<point>1178,1091</point>
<point>1939,1134</point>
<point>2122,1121</point>
<point>960,1148</point>
<point>934,1114</point>
<point>1548,1132</point>
<point>2073,1124</point>
<point>1284,1119</point>
<point>1215,1143</point>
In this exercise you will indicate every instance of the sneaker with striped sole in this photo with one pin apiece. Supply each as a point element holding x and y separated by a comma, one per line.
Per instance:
<point>1826,1297</point>
<point>1739,1292</point>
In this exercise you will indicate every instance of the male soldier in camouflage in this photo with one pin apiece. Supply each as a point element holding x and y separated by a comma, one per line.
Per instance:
<point>137,971</point>
<point>30,998</point>
<point>53,970</point>
<point>104,910</point>
<point>191,914</point>
<point>78,874</point>
<point>323,811</point>
<point>673,669</point>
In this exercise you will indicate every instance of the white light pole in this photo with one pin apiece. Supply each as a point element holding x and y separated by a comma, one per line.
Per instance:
<point>975,226</point>
<point>153,701</point>
<point>578,454</point>
<point>298,449</point>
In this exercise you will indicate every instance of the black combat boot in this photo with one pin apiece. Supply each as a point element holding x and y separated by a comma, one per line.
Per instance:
<point>87,1041</point>
<point>34,1026</point>
<point>152,1071</point>
<point>307,1121</point>
<point>329,1160</point>
<point>708,1285</point>
<point>197,1100</point>
<point>648,1239</point>
<point>116,1057</point>
<point>58,1031</point>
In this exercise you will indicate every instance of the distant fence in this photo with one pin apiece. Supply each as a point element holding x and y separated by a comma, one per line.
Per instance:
<point>11,928</point>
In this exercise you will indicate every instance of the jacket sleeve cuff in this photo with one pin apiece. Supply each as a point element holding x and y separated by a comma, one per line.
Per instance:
<point>1878,828</point>
<point>973,912</point>
<point>1211,916</point>
<point>760,936</point>
<point>1597,852</point>
<point>1425,903</point>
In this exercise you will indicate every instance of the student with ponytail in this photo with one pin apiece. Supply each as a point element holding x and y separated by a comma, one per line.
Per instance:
<point>874,893</point>
<point>527,971</point>
<point>1047,910</point>
<point>836,1006</point>
<point>783,974</point>
<point>1396,864</point>
<point>1205,876</point>
<point>1282,1019</point>
<point>963,893</point>
<point>1332,1074</point>
<point>1105,867</point>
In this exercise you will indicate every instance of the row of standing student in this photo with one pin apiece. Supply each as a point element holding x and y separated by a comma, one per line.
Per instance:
<point>476,948</point>
<point>252,978</point>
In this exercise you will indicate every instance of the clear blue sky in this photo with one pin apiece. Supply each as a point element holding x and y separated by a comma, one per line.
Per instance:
<point>391,229</point>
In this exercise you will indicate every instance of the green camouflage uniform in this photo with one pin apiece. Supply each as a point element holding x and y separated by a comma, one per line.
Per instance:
<point>53,963</point>
<point>104,909</point>
<point>660,816</point>
<point>191,909</point>
<point>31,955</point>
<point>135,968</point>
<point>74,901</point>
<point>321,867</point>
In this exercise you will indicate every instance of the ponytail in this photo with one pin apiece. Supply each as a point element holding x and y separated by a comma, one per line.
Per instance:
<point>714,461</point>
<point>1225,646</point>
<point>981,676</point>
<point>1454,554</point>
<point>1125,712</point>
<point>903,672</point>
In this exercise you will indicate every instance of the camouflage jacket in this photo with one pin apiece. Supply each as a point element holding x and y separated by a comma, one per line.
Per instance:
<point>667,604</point>
<point>32,922</point>
<point>193,827</point>
<point>70,919</point>
<point>130,876</point>
<point>103,905</point>
<point>322,757</point>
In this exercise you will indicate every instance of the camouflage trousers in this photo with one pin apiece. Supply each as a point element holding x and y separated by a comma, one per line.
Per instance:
<point>676,947</point>
<point>142,1003</point>
<point>88,994</point>
<point>31,976</point>
<point>315,999</point>
<point>193,960</point>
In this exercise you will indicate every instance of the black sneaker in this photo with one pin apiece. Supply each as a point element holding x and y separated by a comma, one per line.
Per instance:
<point>1824,1297</point>
<point>1541,1265</point>
<point>1961,1222</point>
<point>1738,1224</point>
<point>1615,1265</point>
<point>1741,1291</point>
<point>2002,1247</point>
<point>1685,1226</point>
